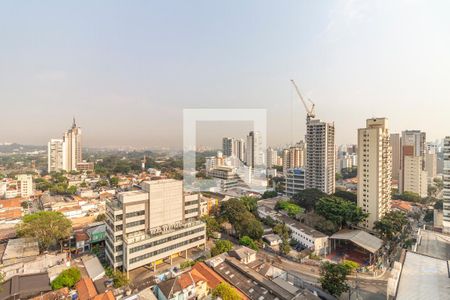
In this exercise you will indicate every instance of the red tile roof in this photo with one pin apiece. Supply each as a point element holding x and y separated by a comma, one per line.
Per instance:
<point>86,289</point>
<point>105,296</point>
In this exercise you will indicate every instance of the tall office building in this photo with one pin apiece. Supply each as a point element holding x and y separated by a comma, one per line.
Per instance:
<point>254,151</point>
<point>294,157</point>
<point>374,170</point>
<point>413,175</point>
<point>65,154</point>
<point>156,223</point>
<point>446,177</point>
<point>320,156</point>
<point>395,145</point>
<point>55,155</point>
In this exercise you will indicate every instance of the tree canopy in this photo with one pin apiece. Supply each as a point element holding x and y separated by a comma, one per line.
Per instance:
<point>221,246</point>
<point>225,292</point>
<point>308,198</point>
<point>48,227</point>
<point>269,194</point>
<point>67,278</point>
<point>289,207</point>
<point>248,242</point>
<point>341,212</point>
<point>390,224</point>
<point>349,196</point>
<point>244,222</point>
<point>333,278</point>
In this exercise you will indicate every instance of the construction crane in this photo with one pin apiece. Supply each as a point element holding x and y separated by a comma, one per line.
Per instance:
<point>310,114</point>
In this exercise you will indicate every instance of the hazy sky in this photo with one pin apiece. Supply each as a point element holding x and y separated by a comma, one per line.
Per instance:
<point>126,69</point>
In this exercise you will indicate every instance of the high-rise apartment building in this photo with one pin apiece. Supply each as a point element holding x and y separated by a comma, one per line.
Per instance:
<point>395,145</point>
<point>228,146</point>
<point>374,170</point>
<point>412,175</point>
<point>73,150</point>
<point>234,147</point>
<point>55,155</point>
<point>65,154</point>
<point>320,156</point>
<point>446,192</point>
<point>272,157</point>
<point>254,152</point>
<point>294,157</point>
<point>431,164</point>
<point>156,223</point>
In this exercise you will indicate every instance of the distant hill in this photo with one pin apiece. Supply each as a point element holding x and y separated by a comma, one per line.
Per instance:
<point>18,148</point>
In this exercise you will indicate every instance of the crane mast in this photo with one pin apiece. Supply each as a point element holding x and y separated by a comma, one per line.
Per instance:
<point>310,114</point>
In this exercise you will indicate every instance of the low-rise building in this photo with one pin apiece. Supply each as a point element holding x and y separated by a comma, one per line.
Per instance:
<point>189,285</point>
<point>244,254</point>
<point>308,237</point>
<point>147,226</point>
<point>294,181</point>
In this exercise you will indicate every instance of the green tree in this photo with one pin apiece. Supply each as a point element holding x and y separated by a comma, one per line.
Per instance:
<point>308,198</point>
<point>269,194</point>
<point>390,225</point>
<point>225,291</point>
<point>221,246</point>
<point>114,181</point>
<point>341,212</point>
<point>409,196</point>
<point>439,204</point>
<point>244,222</point>
<point>212,225</point>
<point>251,203</point>
<point>333,278</point>
<point>248,242</point>
<point>349,196</point>
<point>119,278</point>
<point>429,216</point>
<point>350,265</point>
<point>251,227</point>
<point>72,190</point>
<point>48,227</point>
<point>289,207</point>
<point>67,278</point>
<point>283,231</point>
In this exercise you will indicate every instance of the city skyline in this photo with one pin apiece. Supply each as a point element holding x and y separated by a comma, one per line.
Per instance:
<point>125,70</point>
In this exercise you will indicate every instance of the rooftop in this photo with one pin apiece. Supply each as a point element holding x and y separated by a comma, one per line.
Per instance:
<point>423,277</point>
<point>361,238</point>
<point>300,226</point>
<point>21,248</point>
<point>86,289</point>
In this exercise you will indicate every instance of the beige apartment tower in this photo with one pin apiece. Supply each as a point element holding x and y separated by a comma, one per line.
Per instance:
<point>294,157</point>
<point>413,175</point>
<point>66,153</point>
<point>374,170</point>
<point>320,156</point>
